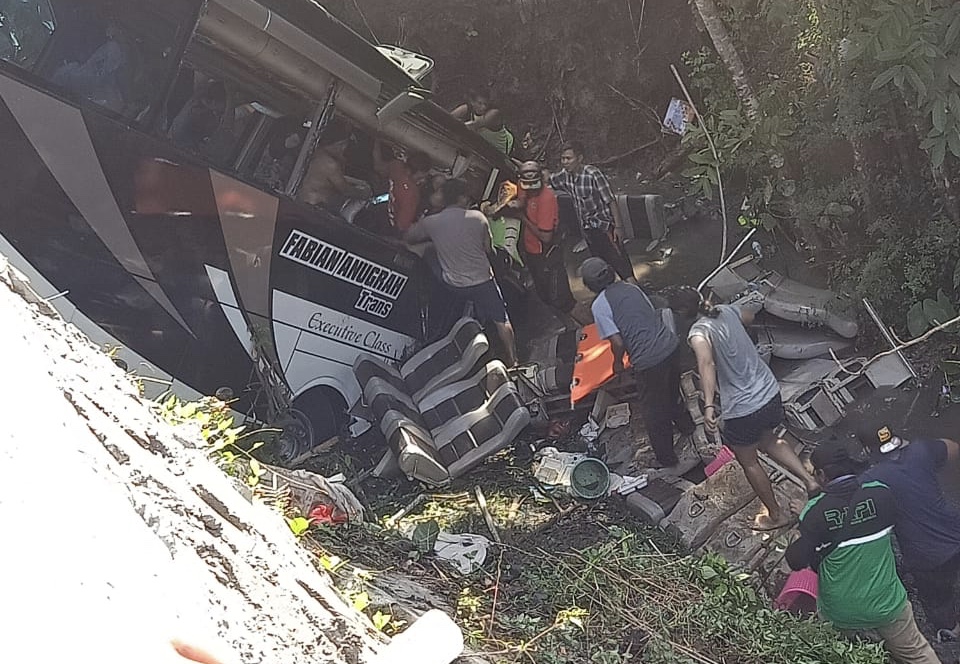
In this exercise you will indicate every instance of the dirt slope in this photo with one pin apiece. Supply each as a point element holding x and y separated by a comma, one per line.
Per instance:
<point>119,535</point>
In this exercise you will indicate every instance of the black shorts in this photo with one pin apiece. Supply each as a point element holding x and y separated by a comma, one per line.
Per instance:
<point>487,301</point>
<point>747,430</point>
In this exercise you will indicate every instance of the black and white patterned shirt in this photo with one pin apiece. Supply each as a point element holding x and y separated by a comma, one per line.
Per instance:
<point>591,195</point>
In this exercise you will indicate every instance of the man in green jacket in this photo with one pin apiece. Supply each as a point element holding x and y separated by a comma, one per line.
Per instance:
<point>845,536</point>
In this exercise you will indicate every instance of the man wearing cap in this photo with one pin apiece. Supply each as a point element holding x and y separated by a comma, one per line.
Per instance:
<point>845,536</point>
<point>536,205</point>
<point>928,528</point>
<point>624,315</point>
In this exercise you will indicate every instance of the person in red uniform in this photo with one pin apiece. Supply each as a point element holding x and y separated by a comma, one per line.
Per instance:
<point>405,177</point>
<point>537,207</point>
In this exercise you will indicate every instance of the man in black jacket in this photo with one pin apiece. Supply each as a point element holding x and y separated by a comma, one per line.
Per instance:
<point>928,528</point>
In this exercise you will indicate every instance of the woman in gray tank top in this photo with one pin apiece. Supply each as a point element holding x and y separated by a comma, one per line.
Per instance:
<point>749,403</point>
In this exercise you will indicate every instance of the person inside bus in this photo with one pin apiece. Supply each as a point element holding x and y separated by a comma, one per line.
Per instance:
<point>405,178</point>
<point>325,182</point>
<point>278,159</point>
<point>480,114</point>
<point>101,77</point>
<point>433,194</point>
<point>202,116</point>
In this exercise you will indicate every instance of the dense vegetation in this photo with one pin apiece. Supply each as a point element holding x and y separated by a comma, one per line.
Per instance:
<point>840,131</point>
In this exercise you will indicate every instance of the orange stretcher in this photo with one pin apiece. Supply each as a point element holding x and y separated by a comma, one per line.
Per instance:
<point>593,365</point>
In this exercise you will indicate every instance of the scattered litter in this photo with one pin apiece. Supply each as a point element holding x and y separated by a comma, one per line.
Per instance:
<point>590,431</point>
<point>575,474</point>
<point>327,500</point>
<point>467,552</point>
<point>724,456</point>
<point>678,118</point>
<point>552,468</point>
<point>617,416</point>
<point>590,479</point>
<point>433,627</point>
<point>326,514</point>
<point>626,484</point>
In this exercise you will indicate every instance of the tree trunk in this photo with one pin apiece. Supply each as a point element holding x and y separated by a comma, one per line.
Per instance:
<point>723,42</point>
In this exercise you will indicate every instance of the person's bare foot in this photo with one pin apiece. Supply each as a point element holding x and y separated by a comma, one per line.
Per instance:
<point>814,490</point>
<point>765,521</point>
<point>797,505</point>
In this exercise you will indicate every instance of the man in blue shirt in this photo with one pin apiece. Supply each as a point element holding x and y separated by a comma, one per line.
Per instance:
<point>624,315</point>
<point>927,527</point>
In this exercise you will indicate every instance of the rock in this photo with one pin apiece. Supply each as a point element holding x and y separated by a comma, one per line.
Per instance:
<point>120,535</point>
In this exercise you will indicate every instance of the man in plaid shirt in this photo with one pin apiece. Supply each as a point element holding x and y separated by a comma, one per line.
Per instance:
<point>596,208</point>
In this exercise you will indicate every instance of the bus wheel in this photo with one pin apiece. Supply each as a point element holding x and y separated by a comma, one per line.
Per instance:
<point>296,436</point>
<point>326,411</point>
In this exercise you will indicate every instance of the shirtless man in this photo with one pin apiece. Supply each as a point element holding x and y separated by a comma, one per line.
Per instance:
<point>325,184</point>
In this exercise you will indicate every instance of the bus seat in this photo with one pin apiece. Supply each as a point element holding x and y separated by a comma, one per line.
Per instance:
<point>413,448</point>
<point>449,402</point>
<point>438,364</point>
<point>466,441</point>
<point>447,360</point>
<point>437,456</point>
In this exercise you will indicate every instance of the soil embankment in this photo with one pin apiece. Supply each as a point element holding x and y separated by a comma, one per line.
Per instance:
<point>120,535</point>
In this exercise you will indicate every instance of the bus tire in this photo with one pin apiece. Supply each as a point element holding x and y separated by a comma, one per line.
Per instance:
<point>326,411</point>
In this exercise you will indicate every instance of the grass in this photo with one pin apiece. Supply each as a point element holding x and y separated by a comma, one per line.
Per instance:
<point>580,583</point>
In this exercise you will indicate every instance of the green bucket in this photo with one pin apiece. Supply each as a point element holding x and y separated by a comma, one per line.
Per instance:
<point>590,479</point>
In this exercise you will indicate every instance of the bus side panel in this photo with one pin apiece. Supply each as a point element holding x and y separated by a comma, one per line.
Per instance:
<point>338,292</point>
<point>50,175</point>
<point>172,214</point>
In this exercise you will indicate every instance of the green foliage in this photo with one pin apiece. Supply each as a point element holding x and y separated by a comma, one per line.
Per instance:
<point>624,600</point>
<point>918,46</point>
<point>745,151</point>
<point>228,445</point>
<point>928,313</point>
<point>299,525</point>
<point>852,93</point>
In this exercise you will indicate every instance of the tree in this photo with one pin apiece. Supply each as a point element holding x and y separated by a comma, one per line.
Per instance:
<point>727,50</point>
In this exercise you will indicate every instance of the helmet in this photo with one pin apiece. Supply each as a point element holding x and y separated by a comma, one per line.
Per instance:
<point>531,176</point>
<point>597,274</point>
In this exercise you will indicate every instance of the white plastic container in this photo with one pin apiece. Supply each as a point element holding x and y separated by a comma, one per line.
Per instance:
<point>433,639</point>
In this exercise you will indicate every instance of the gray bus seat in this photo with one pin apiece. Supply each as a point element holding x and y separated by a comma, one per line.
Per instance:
<point>791,343</point>
<point>440,363</point>
<point>437,456</point>
<point>464,396</point>
<point>414,450</point>
<point>466,441</point>
<point>382,397</point>
<point>785,298</point>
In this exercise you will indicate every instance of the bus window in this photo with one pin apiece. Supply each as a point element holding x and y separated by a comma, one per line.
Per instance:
<point>111,53</point>
<point>25,29</point>
<point>235,127</point>
<point>285,139</point>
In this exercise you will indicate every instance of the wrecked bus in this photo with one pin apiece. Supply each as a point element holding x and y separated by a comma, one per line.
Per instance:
<point>151,189</point>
